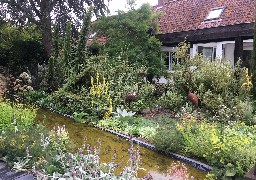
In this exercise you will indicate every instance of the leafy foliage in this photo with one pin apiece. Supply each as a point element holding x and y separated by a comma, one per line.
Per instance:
<point>168,139</point>
<point>45,154</point>
<point>131,125</point>
<point>18,116</point>
<point>216,84</point>
<point>43,13</point>
<point>128,37</point>
<point>81,52</point>
<point>21,48</point>
<point>222,146</point>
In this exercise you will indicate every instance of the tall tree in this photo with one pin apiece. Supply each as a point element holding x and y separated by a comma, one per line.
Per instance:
<point>44,12</point>
<point>131,36</point>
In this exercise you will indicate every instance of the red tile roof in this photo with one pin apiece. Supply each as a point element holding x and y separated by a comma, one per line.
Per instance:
<point>185,15</point>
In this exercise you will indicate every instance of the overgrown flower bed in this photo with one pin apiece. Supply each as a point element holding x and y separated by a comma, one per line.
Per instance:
<point>226,119</point>
<point>31,147</point>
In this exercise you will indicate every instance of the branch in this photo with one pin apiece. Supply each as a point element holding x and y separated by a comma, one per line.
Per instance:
<point>17,6</point>
<point>32,3</point>
<point>53,3</point>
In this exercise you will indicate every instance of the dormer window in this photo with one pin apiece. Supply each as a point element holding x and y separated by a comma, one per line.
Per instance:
<point>215,14</point>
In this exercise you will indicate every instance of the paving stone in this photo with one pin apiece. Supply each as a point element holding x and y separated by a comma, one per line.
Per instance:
<point>7,174</point>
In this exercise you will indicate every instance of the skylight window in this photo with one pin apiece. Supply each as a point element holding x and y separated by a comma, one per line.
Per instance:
<point>215,13</point>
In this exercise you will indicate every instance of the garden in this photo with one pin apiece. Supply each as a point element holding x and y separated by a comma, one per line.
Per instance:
<point>109,85</point>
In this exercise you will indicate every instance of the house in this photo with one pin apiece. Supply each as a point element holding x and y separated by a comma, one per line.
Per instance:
<point>216,28</point>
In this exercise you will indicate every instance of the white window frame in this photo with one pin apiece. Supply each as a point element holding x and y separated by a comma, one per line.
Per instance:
<point>209,45</point>
<point>215,13</point>
<point>170,60</point>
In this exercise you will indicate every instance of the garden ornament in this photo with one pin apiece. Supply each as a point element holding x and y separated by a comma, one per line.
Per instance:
<point>192,97</point>
<point>132,96</point>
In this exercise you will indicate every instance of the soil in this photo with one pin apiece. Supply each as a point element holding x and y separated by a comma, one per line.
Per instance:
<point>153,114</point>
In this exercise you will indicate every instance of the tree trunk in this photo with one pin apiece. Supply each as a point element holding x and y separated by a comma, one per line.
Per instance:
<point>47,39</point>
<point>45,23</point>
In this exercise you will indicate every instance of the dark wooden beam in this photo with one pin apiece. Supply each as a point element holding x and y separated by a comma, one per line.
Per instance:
<point>215,34</point>
<point>238,54</point>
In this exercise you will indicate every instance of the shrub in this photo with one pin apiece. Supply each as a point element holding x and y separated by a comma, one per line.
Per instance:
<point>216,83</point>
<point>34,97</point>
<point>67,102</point>
<point>171,100</point>
<point>224,147</point>
<point>241,111</point>
<point>24,54</point>
<point>131,125</point>
<point>17,115</point>
<point>168,139</point>
<point>122,78</point>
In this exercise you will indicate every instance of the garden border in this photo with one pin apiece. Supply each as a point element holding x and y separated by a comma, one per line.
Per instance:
<point>194,163</point>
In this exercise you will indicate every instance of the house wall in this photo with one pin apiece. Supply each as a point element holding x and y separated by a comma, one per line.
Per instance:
<point>224,49</point>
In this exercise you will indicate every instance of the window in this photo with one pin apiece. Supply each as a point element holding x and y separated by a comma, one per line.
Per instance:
<point>169,60</point>
<point>207,52</point>
<point>215,13</point>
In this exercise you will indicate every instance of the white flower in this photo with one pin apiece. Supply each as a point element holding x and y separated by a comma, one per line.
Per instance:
<point>123,113</point>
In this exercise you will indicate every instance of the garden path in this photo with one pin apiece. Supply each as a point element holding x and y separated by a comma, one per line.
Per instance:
<point>7,174</point>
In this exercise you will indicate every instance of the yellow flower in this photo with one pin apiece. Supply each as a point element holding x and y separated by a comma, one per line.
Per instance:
<point>92,80</point>
<point>214,138</point>
<point>97,77</point>
<point>104,81</point>
<point>179,127</point>
<point>106,90</point>
<point>98,91</point>
<point>248,83</point>
<point>110,107</point>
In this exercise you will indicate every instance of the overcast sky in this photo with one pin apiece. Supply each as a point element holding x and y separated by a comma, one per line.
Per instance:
<point>114,5</point>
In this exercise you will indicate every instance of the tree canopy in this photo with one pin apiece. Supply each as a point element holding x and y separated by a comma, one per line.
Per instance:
<point>45,12</point>
<point>129,35</point>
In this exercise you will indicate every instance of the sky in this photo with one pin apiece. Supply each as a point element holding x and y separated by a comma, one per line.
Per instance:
<point>114,5</point>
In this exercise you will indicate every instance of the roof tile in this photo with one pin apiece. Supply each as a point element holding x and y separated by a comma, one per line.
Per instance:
<point>185,15</point>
